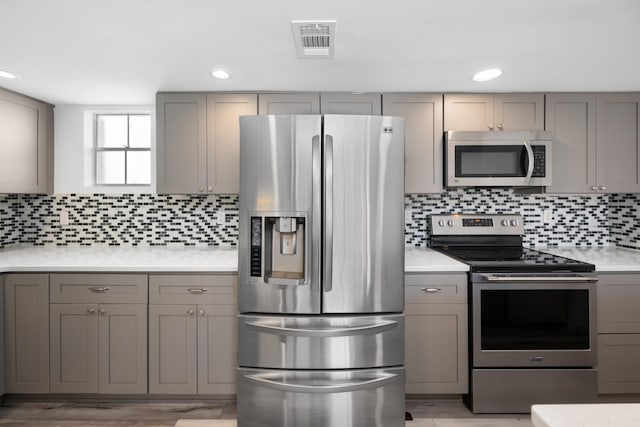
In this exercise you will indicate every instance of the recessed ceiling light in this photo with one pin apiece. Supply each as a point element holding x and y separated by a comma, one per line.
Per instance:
<point>485,75</point>
<point>7,75</point>
<point>220,74</point>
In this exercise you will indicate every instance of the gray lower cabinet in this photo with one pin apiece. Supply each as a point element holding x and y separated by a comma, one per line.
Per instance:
<point>192,334</point>
<point>2,388</point>
<point>436,334</point>
<point>26,308</point>
<point>618,333</point>
<point>98,339</point>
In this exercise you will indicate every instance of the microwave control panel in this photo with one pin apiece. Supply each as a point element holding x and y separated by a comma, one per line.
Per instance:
<point>539,153</point>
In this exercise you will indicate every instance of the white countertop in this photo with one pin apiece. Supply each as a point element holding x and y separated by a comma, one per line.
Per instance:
<point>425,260</point>
<point>216,259</point>
<point>606,259</point>
<point>119,258</point>
<point>586,415</point>
<point>168,259</point>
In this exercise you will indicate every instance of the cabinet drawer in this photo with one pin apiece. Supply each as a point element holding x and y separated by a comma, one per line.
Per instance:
<point>435,288</point>
<point>98,288</point>
<point>618,302</point>
<point>193,289</point>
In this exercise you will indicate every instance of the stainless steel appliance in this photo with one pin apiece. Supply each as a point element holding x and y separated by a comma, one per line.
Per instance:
<point>321,271</point>
<point>498,159</point>
<point>532,316</point>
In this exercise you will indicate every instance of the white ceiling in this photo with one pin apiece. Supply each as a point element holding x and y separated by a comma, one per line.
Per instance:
<point>124,51</point>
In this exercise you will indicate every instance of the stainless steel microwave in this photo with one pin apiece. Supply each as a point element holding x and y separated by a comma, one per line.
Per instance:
<point>497,159</point>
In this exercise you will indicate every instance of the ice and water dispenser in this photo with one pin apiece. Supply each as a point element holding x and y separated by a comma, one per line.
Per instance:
<point>278,250</point>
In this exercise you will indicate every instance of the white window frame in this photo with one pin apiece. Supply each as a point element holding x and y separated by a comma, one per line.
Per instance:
<point>125,149</point>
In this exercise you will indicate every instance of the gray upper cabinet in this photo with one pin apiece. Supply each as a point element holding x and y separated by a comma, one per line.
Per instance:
<point>198,138</point>
<point>618,142</point>
<point>596,142</point>
<point>509,111</point>
<point>288,103</point>
<point>351,103</point>
<point>422,114</point>
<point>26,144</point>
<point>181,140</point>
<point>27,333</point>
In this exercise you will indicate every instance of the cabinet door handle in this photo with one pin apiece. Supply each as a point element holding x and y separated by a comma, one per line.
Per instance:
<point>602,187</point>
<point>200,312</point>
<point>99,290</point>
<point>210,189</point>
<point>197,290</point>
<point>102,312</point>
<point>500,126</point>
<point>490,126</point>
<point>594,188</point>
<point>201,189</point>
<point>91,311</point>
<point>190,312</point>
<point>431,290</point>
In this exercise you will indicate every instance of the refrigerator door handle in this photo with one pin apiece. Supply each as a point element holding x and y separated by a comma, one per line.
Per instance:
<point>376,328</point>
<point>270,381</point>
<point>328,213</point>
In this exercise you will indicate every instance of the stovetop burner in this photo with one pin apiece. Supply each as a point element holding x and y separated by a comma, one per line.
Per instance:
<point>493,243</point>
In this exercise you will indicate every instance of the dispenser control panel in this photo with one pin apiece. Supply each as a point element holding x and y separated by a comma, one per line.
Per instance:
<point>256,246</point>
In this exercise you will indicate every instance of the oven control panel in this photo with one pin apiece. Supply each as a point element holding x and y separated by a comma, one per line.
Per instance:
<point>477,224</point>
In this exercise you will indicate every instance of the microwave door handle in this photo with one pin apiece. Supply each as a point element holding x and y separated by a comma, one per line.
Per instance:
<point>527,146</point>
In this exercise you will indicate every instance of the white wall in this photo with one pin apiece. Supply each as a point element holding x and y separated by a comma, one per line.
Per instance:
<point>73,149</point>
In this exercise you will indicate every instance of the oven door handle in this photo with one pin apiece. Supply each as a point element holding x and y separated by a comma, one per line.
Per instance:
<point>498,278</point>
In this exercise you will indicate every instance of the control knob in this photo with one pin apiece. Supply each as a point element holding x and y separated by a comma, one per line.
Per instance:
<point>450,223</point>
<point>505,223</point>
<point>514,222</point>
<point>441,223</point>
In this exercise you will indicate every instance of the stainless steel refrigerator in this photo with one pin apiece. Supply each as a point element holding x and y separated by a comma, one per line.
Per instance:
<point>321,271</point>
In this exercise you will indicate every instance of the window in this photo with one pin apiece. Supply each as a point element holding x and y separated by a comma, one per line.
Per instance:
<point>123,149</point>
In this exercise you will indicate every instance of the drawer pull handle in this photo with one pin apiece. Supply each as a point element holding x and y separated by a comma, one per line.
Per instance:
<point>431,290</point>
<point>197,290</point>
<point>99,290</point>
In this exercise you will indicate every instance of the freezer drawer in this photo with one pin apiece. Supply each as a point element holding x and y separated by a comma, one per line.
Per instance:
<point>361,398</point>
<point>328,342</point>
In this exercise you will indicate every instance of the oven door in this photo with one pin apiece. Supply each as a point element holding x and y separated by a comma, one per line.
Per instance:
<point>504,163</point>
<point>542,320</point>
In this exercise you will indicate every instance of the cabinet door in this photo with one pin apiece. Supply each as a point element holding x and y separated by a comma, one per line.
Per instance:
<point>122,348</point>
<point>223,139</point>
<point>289,103</point>
<point>368,104</point>
<point>27,333</point>
<point>181,123</point>
<point>618,136</point>
<point>572,119</point>
<point>618,302</point>
<point>618,363</point>
<point>468,112</point>
<point>74,348</point>
<point>436,348</point>
<point>2,388</point>
<point>423,144</point>
<point>172,349</point>
<point>26,133</point>
<point>217,349</point>
<point>519,111</point>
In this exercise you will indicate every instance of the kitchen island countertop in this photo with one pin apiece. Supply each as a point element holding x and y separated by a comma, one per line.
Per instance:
<point>196,259</point>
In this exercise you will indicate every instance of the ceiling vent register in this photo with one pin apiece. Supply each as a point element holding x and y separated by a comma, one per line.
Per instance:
<point>314,39</point>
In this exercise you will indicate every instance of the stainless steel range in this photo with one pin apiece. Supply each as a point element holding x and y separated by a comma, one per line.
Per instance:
<point>532,316</point>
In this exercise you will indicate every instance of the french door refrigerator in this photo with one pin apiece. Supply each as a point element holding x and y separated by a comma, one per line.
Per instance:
<point>321,271</point>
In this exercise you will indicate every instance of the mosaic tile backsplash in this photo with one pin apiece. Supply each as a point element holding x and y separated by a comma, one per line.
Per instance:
<point>146,219</point>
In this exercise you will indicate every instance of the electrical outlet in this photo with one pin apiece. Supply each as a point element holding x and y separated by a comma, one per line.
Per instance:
<point>547,216</point>
<point>221,217</point>
<point>408,213</point>
<point>64,217</point>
